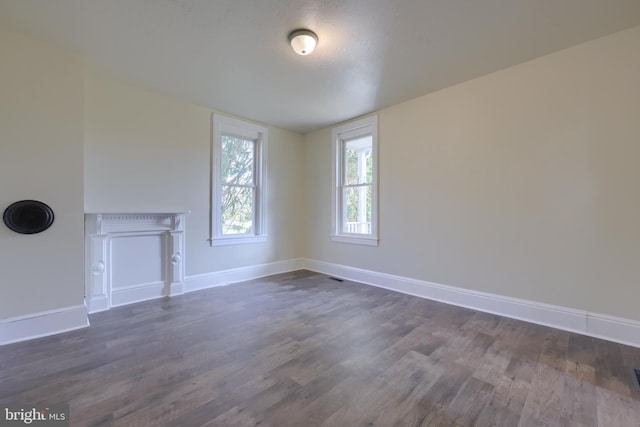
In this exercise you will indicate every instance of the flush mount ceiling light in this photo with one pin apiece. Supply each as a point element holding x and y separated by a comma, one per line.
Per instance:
<point>303,41</point>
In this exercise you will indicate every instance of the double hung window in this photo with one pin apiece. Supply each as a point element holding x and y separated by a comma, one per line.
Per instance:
<point>355,182</point>
<point>238,189</point>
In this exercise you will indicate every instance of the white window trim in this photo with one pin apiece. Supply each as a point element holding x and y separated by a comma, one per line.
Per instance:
<point>362,127</point>
<point>227,125</point>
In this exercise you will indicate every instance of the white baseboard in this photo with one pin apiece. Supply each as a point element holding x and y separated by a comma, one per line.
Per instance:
<point>43,324</point>
<point>611,328</point>
<point>227,277</point>
<point>133,294</point>
<point>137,293</point>
<point>624,331</point>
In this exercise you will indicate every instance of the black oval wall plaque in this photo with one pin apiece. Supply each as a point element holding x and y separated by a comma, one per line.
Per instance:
<point>28,217</point>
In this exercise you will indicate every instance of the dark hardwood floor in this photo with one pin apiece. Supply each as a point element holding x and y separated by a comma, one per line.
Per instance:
<point>300,349</point>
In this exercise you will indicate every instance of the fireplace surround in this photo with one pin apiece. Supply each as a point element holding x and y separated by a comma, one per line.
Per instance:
<point>132,257</point>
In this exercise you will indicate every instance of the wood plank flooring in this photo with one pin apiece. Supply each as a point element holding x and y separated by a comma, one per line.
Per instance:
<point>300,349</point>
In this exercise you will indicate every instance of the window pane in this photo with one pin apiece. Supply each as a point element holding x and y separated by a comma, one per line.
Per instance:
<point>237,160</point>
<point>358,161</point>
<point>237,210</point>
<point>357,209</point>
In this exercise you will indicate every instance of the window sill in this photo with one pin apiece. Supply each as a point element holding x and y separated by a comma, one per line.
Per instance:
<point>355,240</point>
<point>240,240</point>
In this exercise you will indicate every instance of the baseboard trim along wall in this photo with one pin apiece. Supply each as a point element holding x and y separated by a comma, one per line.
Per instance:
<point>234,275</point>
<point>137,293</point>
<point>611,328</point>
<point>37,325</point>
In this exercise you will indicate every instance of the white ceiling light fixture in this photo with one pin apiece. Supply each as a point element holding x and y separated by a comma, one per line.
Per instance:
<point>303,41</point>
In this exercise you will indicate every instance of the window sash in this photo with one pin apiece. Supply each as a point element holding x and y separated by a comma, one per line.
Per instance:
<point>360,226</point>
<point>362,223</point>
<point>250,227</point>
<point>361,163</point>
<point>253,164</point>
<point>230,184</point>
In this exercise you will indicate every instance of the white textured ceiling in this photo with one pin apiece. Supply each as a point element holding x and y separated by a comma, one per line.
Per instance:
<point>233,55</point>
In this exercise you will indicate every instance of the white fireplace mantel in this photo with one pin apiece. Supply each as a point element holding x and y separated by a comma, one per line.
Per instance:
<point>132,257</point>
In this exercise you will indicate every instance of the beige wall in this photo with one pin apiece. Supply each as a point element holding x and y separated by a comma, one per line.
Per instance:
<point>522,183</point>
<point>147,152</point>
<point>41,158</point>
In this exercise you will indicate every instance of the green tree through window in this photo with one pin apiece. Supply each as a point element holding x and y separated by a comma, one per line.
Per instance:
<point>238,187</point>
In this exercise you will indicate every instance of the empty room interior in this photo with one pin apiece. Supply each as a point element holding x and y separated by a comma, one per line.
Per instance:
<point>320,213</point>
